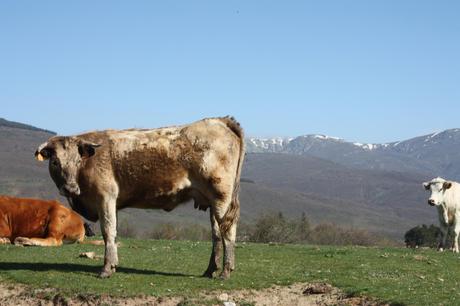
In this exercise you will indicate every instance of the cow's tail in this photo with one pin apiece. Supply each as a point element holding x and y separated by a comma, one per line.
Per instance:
<point>233,212</point>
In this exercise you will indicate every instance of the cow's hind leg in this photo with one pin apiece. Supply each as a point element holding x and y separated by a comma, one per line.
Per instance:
<point>216,253</point>
<point>227,224</point>
<point>54,232</point>
<point>229,238</point>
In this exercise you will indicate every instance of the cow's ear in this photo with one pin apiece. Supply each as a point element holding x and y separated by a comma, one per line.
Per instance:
<point>43,152</point>
<point>446,185</point>
<point>87,149</point>
<point>426,186</point>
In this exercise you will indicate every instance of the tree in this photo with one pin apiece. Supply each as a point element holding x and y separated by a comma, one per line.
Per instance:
<point>423,236</point>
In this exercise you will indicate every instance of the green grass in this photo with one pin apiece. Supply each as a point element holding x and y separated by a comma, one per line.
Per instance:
<point>163,268</point>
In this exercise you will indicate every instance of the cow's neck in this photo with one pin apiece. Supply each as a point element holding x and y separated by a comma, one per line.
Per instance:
<point>446,213</point>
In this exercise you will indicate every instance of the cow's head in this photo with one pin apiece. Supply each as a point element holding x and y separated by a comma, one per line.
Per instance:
<point>438,187</point>
<point>66,154</point>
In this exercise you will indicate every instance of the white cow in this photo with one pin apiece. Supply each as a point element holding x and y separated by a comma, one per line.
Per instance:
<point>445,195</point>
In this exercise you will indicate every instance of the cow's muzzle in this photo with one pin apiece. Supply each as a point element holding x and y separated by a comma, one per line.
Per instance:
<point>431,202</point>
<point>69,190</point>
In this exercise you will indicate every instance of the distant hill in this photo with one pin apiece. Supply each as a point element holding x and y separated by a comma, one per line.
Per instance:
<point>382,201</point>
<point>330,180</point>
<point>20,173</point>
<point>22,126</point>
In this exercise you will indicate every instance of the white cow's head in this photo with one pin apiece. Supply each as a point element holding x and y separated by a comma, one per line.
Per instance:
<point>438,187</point>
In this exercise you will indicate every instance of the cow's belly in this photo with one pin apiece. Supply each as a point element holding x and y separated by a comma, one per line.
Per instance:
<point>29,228</point>
<point>85,208</point>
<point>151,200</point>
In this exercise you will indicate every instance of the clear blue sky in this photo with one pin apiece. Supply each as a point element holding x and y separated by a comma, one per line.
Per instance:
<point>369,71</point>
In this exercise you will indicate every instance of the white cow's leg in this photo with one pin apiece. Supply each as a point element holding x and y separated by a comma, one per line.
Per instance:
<point>216,253</point>
<point>108,219</point>
<point>456,234</point>
<point>444,230</point>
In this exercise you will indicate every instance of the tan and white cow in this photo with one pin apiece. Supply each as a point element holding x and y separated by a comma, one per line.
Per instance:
<point>102,172</point>
<point>445,196</point>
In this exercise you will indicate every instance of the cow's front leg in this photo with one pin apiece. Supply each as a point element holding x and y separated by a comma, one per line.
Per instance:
<point>456,235</point>
<point>50,241</point>
<point>444,230</point>
<point>108,219</point>
<point>216,253</point>
<point>5,240</point>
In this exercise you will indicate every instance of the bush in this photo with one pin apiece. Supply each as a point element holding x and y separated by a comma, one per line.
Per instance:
<point>276,228</point>
<point>424,236</point>
<point>273,228</point>
<point>331,234</point>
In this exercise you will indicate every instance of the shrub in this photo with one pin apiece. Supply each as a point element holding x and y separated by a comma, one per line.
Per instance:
<point>273,228</point>
<point>276,228</point>
<point>424,236</point>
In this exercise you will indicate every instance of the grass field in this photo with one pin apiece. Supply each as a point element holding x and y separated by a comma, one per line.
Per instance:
<point>168,268</point>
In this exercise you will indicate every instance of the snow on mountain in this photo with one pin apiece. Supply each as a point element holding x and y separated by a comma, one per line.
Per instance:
<point>324,137</point>
<point>279,144</point>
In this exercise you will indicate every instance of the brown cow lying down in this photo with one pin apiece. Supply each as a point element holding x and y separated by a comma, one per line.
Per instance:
<point>38,222</point>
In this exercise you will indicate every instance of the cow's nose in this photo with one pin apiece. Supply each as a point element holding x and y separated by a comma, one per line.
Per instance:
<point>70,190</point>
<point>431,202</point>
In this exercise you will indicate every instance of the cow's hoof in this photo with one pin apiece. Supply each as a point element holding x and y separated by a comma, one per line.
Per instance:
<point>23,241</point>
<point>208,274</point>
<point>106,273</point>
<point>224,275</point>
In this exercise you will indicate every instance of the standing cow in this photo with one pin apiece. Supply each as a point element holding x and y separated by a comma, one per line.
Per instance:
<point>102,172</point>
<point>445,195</point>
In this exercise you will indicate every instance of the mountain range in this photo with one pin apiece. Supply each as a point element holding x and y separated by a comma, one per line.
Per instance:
<point>372,186</point>
<point>436,153</point>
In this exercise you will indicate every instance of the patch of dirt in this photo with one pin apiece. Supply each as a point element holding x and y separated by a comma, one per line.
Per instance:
<point>296,294</point>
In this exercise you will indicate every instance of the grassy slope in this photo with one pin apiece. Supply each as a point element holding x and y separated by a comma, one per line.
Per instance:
<point>163,268</point>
